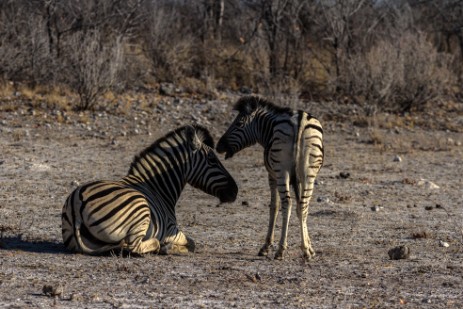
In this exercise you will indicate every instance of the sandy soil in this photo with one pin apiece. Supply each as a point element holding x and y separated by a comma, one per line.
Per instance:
<point>354,220</point>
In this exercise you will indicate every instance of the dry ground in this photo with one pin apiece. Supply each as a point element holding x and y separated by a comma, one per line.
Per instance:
<point>353,221</point>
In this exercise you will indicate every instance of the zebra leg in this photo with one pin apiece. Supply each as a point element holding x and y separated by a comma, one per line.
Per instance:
<point>147,246</point>
<point>178,244</point>
<point>273,209</point>
<point>286,203</point>
<point>134,240</point>
<point>303,208</point>
<point>306,244</point>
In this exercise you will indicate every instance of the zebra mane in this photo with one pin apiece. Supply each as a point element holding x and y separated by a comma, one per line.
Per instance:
<point>249,104</point>
<point>202,134</point>
<point>190,131</point>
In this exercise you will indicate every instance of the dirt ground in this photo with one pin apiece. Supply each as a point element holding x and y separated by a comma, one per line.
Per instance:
<point>379,202</point>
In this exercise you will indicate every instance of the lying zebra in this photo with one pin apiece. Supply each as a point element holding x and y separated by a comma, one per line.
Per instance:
<point>137,213</point>
<point>293,155</point>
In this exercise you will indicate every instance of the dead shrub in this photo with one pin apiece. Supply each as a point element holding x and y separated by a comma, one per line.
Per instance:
<point>24,52</point>
<point>401,75</point>
<point>168,44</point>
<point>92,65</point>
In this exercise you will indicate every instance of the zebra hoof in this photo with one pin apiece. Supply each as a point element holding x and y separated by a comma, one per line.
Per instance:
<point>173,249</point>
<point>309,253</point>
<point>280,254</point>
<point>308,256</point>
<point>263,251</point>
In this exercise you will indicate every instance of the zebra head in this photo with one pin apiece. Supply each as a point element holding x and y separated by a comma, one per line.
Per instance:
<point>242,132</point>
<point>206,171</point>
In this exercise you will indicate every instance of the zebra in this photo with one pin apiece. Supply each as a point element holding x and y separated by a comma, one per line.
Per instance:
<point>137,213</point>
<point>293,155</point>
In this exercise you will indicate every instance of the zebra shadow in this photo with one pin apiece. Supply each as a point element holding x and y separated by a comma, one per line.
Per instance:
<point>16,243</point>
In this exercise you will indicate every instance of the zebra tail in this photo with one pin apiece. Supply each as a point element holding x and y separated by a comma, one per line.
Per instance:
<point>300,160</point>
<point>87,250</point>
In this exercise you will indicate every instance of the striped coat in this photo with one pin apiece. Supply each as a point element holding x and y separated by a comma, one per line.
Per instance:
<point>137,212</point>
<point>293,155</point>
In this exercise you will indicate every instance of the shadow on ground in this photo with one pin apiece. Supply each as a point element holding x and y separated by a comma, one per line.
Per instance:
<point>16,243</point>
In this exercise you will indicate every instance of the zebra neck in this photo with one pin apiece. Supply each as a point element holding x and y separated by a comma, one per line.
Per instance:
<point>265,124</point>
<point>158,175</point>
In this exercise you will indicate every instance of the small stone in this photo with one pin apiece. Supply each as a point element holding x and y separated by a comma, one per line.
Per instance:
<point>75,183</point>
<point>167,89</point>
<point>53,291</point>
<point>428,184</point>
<point>76,297</point>
<point>376,208</point>
<point>245,203</point>
<point>428,207</point>
<point>245,90</point>
<point>399,253</point>
<point>344,175</point>
<point>397,158</point>
<point>323,199</point>
<point>426,301</point>
<point>443,244</point>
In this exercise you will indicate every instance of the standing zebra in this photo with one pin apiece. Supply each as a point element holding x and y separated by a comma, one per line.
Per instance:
<point>137,213</point>
<point>293,155</point>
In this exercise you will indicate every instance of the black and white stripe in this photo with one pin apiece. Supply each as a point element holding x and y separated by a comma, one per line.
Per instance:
<point>293,155</point>
<point>137,213</point>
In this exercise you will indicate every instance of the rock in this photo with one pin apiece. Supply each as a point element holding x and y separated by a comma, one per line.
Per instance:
<point>53,291</point>
<point>245,90</point>
<point>376,208</point>
<point>399,253</point>
<point>75,183</point>
<point>427,184</point>
<point>323,199</point>
<point>167,89</point>
<point>344,175</point>
<point>443,244</point>
<point>397,158</point>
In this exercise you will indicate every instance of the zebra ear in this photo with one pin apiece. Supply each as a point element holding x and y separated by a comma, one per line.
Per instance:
<point>192,137</point>
<point>196,142</point>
